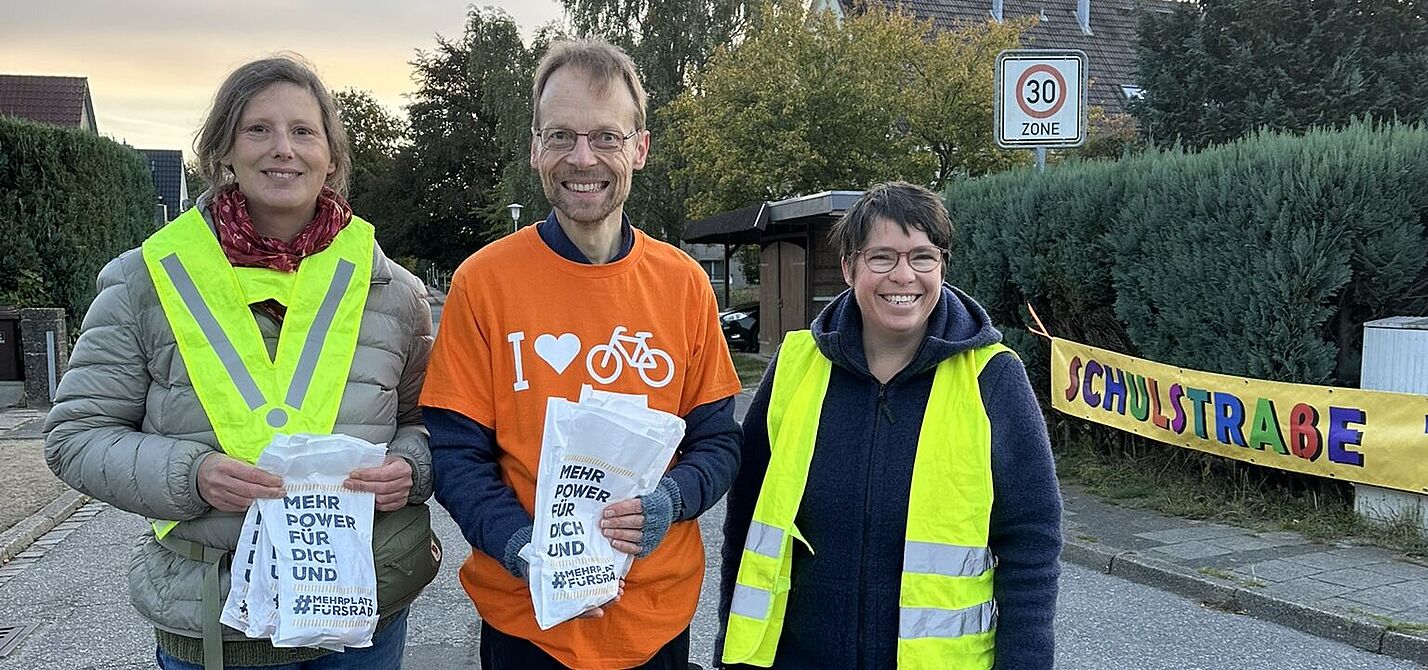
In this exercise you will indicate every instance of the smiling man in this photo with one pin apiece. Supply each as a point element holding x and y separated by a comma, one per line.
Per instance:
<point>581,298</point>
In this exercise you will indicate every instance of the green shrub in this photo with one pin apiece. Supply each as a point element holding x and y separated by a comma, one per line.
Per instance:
<point>69,202</point>
<point>1262,258</point>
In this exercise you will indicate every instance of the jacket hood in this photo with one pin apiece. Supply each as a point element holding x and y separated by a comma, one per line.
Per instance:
<point>957,323</point>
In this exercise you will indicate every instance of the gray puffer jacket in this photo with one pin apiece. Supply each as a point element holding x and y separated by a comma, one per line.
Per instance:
<point>127,428</point>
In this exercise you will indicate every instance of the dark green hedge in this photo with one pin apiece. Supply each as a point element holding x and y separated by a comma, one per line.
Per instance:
<point>1262,258</point>
<point>69,202</point>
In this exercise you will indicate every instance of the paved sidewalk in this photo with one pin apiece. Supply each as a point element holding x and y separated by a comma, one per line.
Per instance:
<point>1362,595</point>
<point>32,500</point>
<point>21,424</point>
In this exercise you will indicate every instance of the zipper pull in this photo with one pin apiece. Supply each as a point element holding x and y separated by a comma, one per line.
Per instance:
<point>883,404</point>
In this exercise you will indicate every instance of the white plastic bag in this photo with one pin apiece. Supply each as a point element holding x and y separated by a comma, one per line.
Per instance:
<point>240,609</point>
<point>253,581</point>
<point>306,578</point>
<point>263,589</point>
<point>322,533</point>
<point>602,450</point>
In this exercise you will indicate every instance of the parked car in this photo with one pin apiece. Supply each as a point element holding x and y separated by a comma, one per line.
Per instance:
<point>741,326</point>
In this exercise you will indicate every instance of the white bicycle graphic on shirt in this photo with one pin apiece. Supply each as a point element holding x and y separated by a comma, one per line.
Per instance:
<point>646,361</point>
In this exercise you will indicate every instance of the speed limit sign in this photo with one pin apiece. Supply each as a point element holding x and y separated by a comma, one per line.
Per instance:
<point>1041,98</point>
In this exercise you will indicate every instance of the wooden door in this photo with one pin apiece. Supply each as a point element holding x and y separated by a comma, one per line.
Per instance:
<point>793,288</point>
<point>770,333</point>
<point>782,293</point>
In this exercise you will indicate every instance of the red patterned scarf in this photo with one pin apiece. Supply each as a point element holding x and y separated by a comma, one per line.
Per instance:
<point>246,248</point>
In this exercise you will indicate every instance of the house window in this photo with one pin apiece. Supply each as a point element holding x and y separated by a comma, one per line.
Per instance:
<point>1132,92</point>
<point>715,270</point>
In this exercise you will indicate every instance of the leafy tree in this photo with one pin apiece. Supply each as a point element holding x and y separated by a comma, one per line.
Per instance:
<point>806,103</point>
<point>451,172</point>
<point>374,132</point>
<point>456,159</point>
<point>376,135</point>
<point>748,255</point>
<point>670,41</point>
<point>518,183</point>
<point>194,180</point>
<point>1110,136</point>
<point>948,103</point>
<point>1217,70</point>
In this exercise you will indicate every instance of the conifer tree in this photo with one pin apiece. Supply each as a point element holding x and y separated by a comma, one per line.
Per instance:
<point>1216,70</point>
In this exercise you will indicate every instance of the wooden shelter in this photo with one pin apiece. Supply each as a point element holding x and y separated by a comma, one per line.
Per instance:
<point>799,273</point>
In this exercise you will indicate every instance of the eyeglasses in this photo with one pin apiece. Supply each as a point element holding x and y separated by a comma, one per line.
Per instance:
<point>564,139</point>
<point>882,260</point>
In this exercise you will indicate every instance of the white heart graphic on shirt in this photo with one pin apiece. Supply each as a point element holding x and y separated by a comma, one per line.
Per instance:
<point>558,352</point>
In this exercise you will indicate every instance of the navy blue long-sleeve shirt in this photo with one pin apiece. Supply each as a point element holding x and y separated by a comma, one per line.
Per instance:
<point>468,479</point>
<point>843,604</point>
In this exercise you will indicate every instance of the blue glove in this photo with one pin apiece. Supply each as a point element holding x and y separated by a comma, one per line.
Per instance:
<point>661,508</point>
<point>511,560</point>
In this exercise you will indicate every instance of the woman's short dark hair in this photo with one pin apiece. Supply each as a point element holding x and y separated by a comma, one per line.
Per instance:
<point>908,205</point>
<point>221,124</point>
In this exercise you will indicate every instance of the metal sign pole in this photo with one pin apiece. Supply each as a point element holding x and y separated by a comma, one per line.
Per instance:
<point>1040,159</point>
<point>50,355</point>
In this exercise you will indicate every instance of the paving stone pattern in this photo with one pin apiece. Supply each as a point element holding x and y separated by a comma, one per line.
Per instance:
<point>1364,582</point>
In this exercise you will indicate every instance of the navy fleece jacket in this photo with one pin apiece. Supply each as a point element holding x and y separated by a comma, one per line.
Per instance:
<point>468,482</point>
<point>843,605</point>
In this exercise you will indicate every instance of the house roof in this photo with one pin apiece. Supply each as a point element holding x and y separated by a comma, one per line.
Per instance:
<point>1110,47</point>
<point>59,101</point>
<point>166,168</point>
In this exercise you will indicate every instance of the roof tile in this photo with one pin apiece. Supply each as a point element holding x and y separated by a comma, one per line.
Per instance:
<point>1110,48</point>
<point>60,101</point>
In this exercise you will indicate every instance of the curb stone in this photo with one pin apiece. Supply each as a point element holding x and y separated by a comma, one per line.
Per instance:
<point>21,535</point>
<point>1360,632</point>
<point>1399,645</point>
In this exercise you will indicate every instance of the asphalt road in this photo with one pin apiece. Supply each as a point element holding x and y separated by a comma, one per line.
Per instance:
<point>1102,623</point>
<point>73,594</point>
<point>1105,622</point>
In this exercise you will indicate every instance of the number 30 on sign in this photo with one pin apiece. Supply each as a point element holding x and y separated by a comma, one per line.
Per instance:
<point>1041,98</point>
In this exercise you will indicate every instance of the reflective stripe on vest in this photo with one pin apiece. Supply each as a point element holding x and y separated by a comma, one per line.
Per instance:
<point>248,396</point>
<point>947,617</point>
<point>946,612</point>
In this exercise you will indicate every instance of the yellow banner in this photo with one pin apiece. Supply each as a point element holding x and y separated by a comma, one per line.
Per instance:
<point>1369,437</point>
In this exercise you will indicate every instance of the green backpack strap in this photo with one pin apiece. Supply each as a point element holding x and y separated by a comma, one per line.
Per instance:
<point>212,598</point>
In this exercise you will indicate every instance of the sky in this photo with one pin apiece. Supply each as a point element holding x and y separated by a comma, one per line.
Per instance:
<point>154,65</point>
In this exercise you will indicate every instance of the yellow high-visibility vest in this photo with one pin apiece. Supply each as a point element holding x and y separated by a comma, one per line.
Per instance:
<point>946,610</point>
<point>248,396</point>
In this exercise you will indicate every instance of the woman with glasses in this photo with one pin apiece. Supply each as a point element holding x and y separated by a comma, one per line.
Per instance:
<point>897,505</point>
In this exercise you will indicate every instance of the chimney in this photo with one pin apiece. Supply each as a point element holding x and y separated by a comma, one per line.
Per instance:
<point>997,10</point>
<point>1083,15</point>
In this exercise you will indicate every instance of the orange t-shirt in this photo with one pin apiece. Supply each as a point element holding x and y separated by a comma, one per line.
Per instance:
<point>522,324</point>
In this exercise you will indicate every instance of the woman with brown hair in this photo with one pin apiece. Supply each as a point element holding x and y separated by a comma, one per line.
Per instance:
<point>266,309</point>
